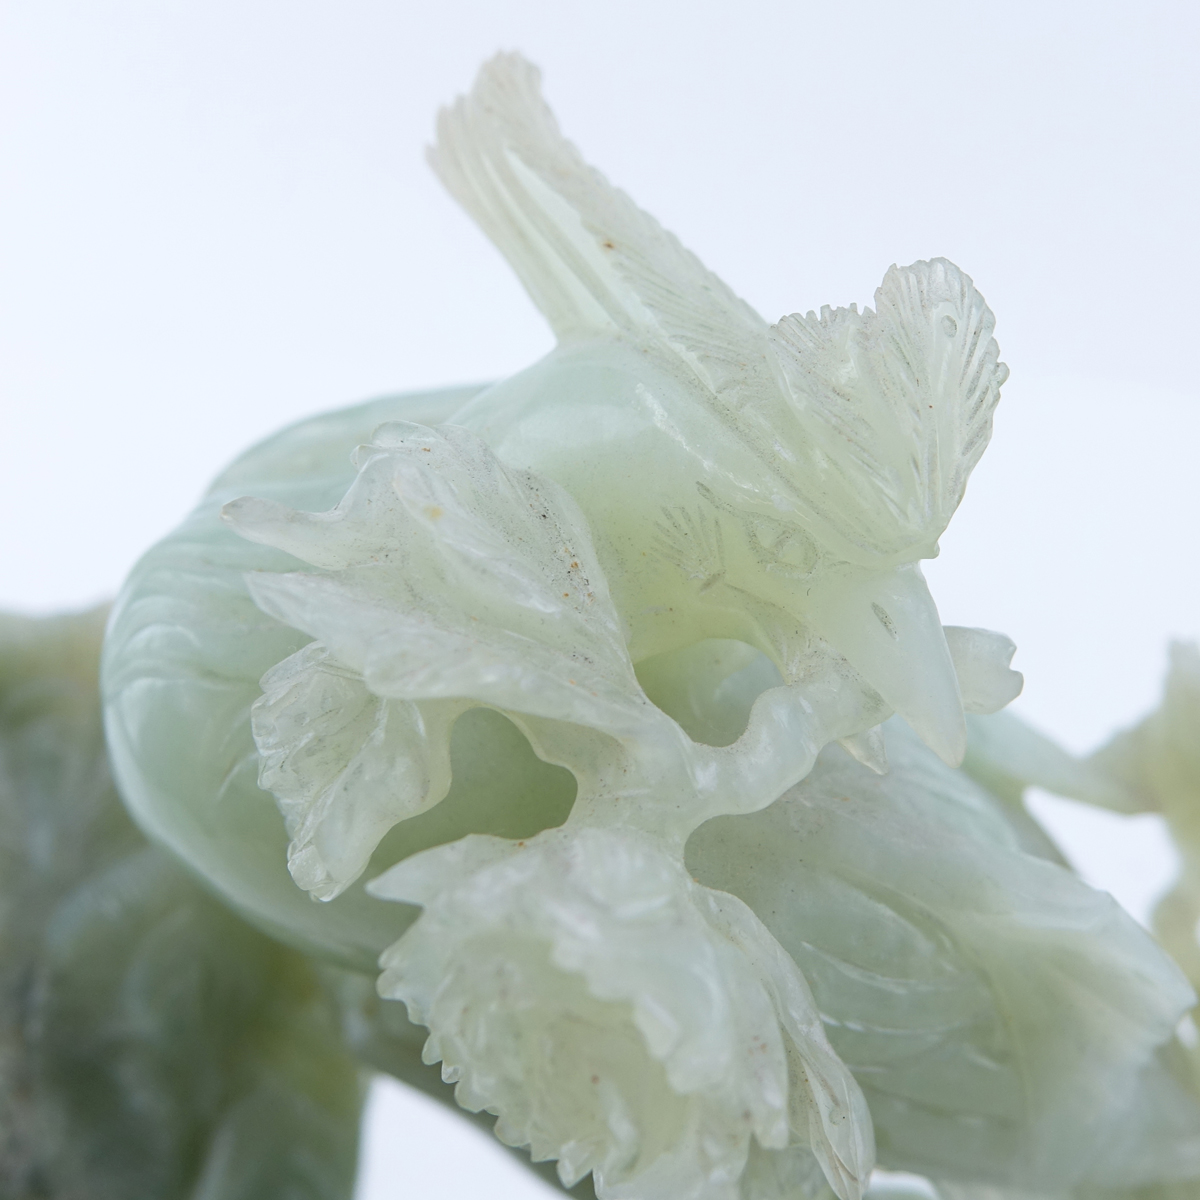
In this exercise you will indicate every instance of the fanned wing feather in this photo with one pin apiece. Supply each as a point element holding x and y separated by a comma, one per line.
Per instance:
<point>593,262</point>
<point>895,406</point>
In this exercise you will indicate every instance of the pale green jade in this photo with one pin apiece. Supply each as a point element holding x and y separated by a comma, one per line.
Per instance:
<point>590,671</point>
<point>952,1019</point>
<point>151,1044</point>
<point>820,457</point>
<point>1155,767</point>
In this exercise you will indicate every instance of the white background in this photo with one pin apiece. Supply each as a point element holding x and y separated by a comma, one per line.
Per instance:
<point>217,218</point>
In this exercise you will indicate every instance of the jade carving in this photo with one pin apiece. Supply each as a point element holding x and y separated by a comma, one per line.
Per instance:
<point>607,716</point>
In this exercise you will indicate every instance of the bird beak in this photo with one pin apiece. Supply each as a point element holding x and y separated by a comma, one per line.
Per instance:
<point>887,626</point>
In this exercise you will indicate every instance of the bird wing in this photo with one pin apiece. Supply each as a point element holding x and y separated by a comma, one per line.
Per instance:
<point>895,406</point>
<point>592,261</point>
<point>864,425</point>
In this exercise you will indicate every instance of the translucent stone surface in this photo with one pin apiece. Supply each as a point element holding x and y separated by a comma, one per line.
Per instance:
<point>1157,764</point>
<point>620,1018</point>
<point>185,651</point>
<point>589,672</point>
<point>819,458</point>
<point>995,1009</point>
<point>151,1043</point>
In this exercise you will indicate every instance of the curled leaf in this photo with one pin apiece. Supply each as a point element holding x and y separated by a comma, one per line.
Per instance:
<point>1003,1019</point>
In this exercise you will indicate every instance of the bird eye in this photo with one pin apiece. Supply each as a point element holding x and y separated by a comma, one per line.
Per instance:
<point>781,548</point>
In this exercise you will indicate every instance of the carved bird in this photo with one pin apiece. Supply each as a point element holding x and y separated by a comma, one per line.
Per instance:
<point>772,483</point>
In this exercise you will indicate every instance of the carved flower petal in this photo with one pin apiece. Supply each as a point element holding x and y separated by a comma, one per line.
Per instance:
<point>344,764</point>
<point>446,574</point>
<point>446,580</point>
<point>617,1016</point>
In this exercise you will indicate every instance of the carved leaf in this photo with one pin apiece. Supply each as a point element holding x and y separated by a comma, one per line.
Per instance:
<point>937,951</point>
